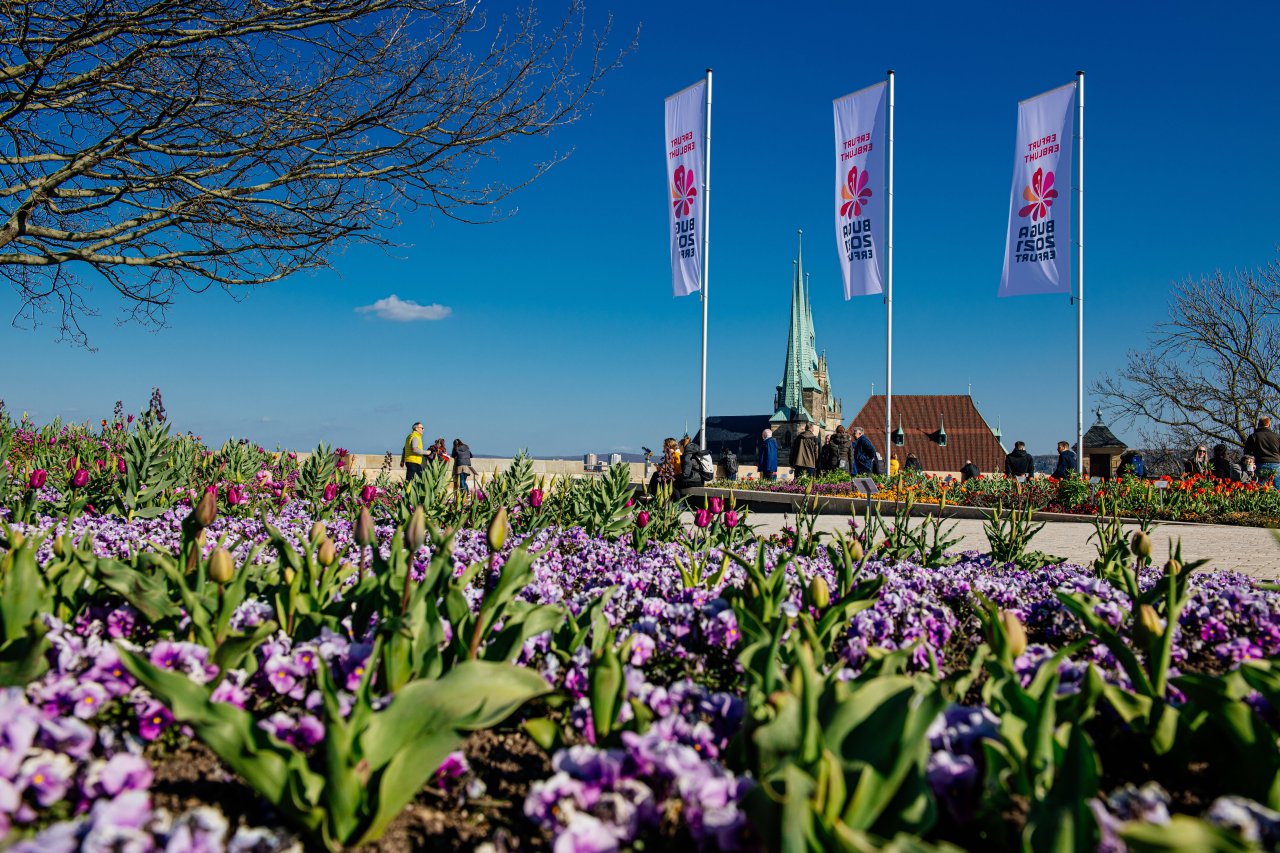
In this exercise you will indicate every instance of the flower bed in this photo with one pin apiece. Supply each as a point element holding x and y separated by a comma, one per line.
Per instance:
<point>555,667</point>
<point>1201,497</point>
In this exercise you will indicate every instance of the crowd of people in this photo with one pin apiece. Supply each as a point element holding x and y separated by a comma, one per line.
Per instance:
<point>1259,461</point>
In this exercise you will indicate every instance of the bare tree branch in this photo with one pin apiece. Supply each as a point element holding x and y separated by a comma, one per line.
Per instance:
<point>1211,369</point>
<point>169,144</point>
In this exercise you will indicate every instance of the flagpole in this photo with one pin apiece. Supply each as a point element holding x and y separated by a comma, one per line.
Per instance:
<point>706,239</point>
<point>1080,272</point>
<point>888,289</point>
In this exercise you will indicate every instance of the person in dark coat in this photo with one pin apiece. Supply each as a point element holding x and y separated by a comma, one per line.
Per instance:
<point>696,468</point>
<point>864,452</point>
<point>1198,462</point>
<point>1264,447</point>
<point>1066,461</point>
<point>912,463</point>
<point>969,471</point>
<point>826,457</point>
<point>842,451</point>
<point>462,464</point>
<point>1223,467</point>
<point>767,460</point>
<point>804,453</point>
<point>1020,463</point>
<point>729,464</point>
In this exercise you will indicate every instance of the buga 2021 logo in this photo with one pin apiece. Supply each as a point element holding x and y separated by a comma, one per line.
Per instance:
<point>1036,242</point>
<point>855,195</point>
<point>684,193</point>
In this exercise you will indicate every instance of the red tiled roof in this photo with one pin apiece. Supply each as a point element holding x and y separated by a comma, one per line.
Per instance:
<point>968,435</point>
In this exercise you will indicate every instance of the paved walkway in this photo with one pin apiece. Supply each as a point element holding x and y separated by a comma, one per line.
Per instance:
<point>1251,550</point>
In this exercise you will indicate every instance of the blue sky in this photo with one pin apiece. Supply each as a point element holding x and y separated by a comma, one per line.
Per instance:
<point>561,334</point>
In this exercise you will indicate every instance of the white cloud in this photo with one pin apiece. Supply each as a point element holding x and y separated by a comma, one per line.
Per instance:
<point>404,310</point>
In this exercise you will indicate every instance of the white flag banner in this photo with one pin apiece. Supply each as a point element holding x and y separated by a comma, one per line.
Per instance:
<point>860,191</point>
<point>1038,245</point>
<point>686,128</point>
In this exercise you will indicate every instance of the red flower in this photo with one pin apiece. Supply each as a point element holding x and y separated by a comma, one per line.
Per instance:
<point>855,193</point>
<point>37,479</point>
<point>683,191</point>
<point>1040,194</point>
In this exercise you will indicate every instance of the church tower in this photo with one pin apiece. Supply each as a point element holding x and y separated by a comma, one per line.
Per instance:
<point>804,395</point>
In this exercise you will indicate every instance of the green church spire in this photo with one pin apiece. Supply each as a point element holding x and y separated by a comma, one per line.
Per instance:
<point>797,375</point>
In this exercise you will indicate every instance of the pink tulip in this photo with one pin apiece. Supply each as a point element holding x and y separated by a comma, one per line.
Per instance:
<point>642,520</point>
<point>330,491</point>
<point>535,498</point>
<point>79,478</point>
<point>235,495</point>
<point>731,519</point>
<point>702,518</point>
<point>37,479</point>
<point>717,505</point>
<point>101,465</point>
<point>629,503</point>
<point>368,493</point>
<point>120,465</point>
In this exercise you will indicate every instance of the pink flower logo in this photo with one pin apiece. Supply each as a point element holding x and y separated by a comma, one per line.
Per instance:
<point>1039,195</point>
<point>855,192</point>
<point>683,191</point>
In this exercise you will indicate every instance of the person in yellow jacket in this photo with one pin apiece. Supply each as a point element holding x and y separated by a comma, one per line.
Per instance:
<point>893,466</point>
<point>413,452</point>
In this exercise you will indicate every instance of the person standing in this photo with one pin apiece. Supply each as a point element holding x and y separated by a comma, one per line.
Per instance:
<point>462,464</point>
<point>1198,462</point>
<point>804,454</point>
<point>912,464</point>
<point>969,471</point>
<point>894,466</point>
<point>1264,447</point>
<point>412,455</point>
<point>729,464</point>
<point>1223,467</point>
<point>864,452</point>
<point>1020,463</point>
<point>841,451</point>
<point>1066,461</point>
<point>767,460</point>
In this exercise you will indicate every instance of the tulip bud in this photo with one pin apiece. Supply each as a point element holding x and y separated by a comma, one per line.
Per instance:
<point>317,532</point>
<point>819,592</point>
<point>37,479</point>
<point>854,549</point>
<point>1173,567</point>
<point>368,493</point>
<point>79,478</point>
<point>716,505</point>
<point>535,498</point>
<point>642,519</point>
<point>206,511</point>
<point>221,568</point>
<point>416,533</point>
<point>1147,628</point>
<point>364,527</point>
<point>16,538</point>
<point>59,547</point>
<point>1140,544</point>
<point>328,554</point>
<point>289,575</point>
<point>498,530</point>
<point>330,492</point>
<point>1015,630</point>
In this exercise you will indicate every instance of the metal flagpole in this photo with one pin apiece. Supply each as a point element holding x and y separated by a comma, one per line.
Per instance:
<point>1080,272</point>
<point>888,290</point>
<point>706,235</point>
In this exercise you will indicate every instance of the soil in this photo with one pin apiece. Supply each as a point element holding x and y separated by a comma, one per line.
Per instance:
<point>508,762</point>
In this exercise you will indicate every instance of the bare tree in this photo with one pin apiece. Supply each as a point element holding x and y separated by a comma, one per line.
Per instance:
<point>1211,369</point>
<point>169,144</point>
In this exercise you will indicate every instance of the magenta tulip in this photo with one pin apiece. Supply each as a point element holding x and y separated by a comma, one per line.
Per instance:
<point>702,518</point>
<point>730,519</point>
<point>120,465</point>
<point>235,495</point>
<point>368,493</point>
<point>330,491</point>
<point>717,505</point>
<point>37,479</point>
<point>642,519</point>
<point>535,498</point>
<point>79,478</point>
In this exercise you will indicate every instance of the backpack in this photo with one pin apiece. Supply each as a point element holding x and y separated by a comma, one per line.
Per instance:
<point>730,462</point>
<point>703,465</point>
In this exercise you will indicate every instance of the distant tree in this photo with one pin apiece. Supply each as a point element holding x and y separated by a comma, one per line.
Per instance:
<point>1211,369</point>
<point>166,144</point>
